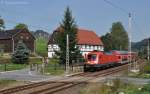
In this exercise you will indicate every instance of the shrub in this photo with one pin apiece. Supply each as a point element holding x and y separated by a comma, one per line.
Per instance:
<point>147,68</point>
<point>146,88</point>
<point>35,60</point>
<point>21,54</point>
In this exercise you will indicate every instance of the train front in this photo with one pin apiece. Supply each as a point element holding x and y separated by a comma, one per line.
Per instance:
<point>92,61</point>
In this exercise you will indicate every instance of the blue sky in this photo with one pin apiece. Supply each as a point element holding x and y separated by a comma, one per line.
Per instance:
<point>95,15</point>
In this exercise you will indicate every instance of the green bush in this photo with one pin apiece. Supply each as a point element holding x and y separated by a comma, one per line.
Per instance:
<point>146,88</point>
<point>147,68</point>
<point>21,54</point>
<point>35,60</point>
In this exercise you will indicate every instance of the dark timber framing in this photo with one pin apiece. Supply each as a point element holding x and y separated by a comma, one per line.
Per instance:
<point>10,38</point>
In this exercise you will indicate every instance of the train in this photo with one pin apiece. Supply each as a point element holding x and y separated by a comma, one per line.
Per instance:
<point>97,60</point>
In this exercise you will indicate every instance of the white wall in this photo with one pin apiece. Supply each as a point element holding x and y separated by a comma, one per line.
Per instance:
<point>85,49</point>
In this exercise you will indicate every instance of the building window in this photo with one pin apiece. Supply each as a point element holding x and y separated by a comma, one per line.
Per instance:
<point>50,46</point>
<point>21,37</point>
<point>99,48</point>
<point>79,46</point>
<point>27,37</point>
<point>83,46</point>
<point>87,46</point>
<point>95,47</point>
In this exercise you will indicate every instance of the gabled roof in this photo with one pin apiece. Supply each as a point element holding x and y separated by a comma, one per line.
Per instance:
<point>11,33</point>
<point>88,37</point>
<point>84,37</point>
<point>4,35</point>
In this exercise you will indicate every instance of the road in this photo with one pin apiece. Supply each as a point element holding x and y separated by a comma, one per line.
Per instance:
<point>26,75</point>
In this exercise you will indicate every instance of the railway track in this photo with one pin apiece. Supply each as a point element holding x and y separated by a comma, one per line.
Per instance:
<point>98,73</point>
<point>24,87</point>
<point>62,85</point>
<point>52,90</point>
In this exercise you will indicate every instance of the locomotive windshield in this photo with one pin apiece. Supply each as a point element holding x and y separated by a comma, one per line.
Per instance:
<point>92,57</point>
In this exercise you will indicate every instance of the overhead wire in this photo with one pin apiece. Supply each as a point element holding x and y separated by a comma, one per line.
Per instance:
<point>116,6</point>
<point>125,11</point>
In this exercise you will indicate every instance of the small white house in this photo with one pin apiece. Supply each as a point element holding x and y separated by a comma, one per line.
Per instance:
<point>87,41</point>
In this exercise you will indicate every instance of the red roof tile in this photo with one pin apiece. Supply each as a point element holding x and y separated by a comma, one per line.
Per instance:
<point>84,37</point>
<point>88,37</point>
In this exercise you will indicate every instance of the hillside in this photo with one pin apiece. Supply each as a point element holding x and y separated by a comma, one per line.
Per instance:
<point>41,41</point>
<point>41,33</point>
<point>140,45</point>
<point>41,46</point>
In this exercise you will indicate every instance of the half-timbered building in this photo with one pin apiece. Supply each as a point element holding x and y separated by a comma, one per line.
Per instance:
<point>10,38</point>
<point>87,41</point>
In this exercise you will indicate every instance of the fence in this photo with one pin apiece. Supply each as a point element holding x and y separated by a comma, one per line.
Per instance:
<point>54,68</point>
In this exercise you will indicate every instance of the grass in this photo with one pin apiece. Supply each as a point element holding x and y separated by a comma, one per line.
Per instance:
<point>11,66</point>
<point>117,88</point>
<point>6,83</point>
<point>7,65</point>
<point>35,60</point>
<point>52,69</point>
<point>144,72</point>
<point>41,46</point>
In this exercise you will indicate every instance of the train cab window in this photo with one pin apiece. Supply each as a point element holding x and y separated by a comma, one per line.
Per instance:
<point>92,57</point>
<point>119,57</point>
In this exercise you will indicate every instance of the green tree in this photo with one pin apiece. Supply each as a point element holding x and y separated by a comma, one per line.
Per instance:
<point>2,24</point>
<point>117,39</point>
<point>21,26</point>
<point>143,52</point>
<point>21,54</point>
<point>68,26</point>
<point>107,40</point>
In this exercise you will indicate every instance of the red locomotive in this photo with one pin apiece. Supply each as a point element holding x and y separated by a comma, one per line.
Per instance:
<point>96,60</point>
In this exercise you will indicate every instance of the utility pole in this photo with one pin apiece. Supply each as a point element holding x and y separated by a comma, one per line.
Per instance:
<point>130,39</point>
<point>67,55</point>
<point>148,50</point>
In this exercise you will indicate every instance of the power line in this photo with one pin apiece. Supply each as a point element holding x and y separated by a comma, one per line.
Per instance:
<point>130,18</point>
<point>125,11</point>
<point>116,6</point>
